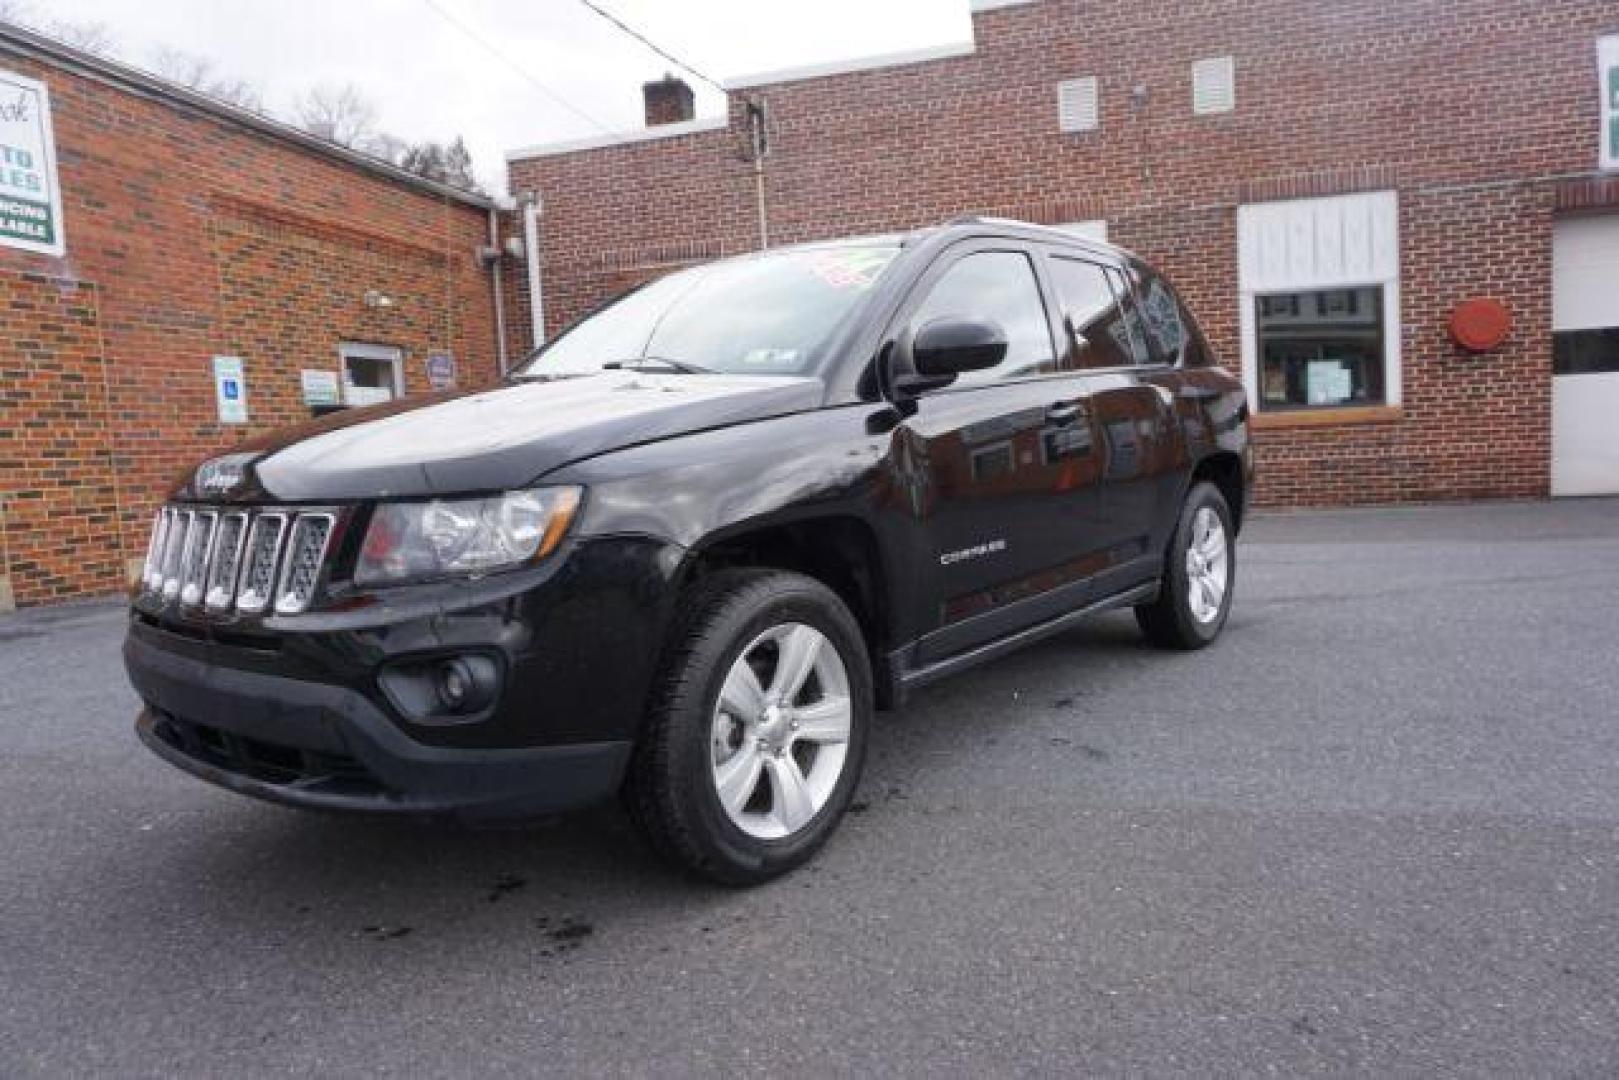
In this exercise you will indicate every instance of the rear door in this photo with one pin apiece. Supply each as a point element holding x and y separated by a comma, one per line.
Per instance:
<point>1002,465</point>
<point>1132,416</point>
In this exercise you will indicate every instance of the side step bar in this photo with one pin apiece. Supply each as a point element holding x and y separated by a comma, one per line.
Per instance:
<point>903,681</point>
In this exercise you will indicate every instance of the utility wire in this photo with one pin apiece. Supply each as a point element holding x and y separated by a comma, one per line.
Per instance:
<point>515,66</point>
<point>649,43</point>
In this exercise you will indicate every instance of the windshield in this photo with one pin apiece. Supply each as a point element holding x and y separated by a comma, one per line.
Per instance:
<point>761,315</point>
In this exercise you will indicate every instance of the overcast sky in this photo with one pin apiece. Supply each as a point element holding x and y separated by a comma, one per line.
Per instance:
<point>435,68</point>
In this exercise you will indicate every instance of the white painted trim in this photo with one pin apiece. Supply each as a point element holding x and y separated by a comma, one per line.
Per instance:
<point>1384,272</point>
<point>620,138</point>
<point>844,67</point>
<point>1607,59</point>
<point>996,5</point>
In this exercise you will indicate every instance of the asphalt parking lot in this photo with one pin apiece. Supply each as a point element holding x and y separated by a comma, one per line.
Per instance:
<point>1375,829</point>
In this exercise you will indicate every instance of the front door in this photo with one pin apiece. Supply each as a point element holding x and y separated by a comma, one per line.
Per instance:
<point>1006,458</point>
<point>1585,356</point>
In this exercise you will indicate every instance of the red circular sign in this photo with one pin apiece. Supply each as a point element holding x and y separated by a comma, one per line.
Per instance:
<point>1480,325</point>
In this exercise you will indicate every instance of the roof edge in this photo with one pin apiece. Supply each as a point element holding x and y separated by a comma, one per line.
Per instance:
<point>857,64</point>
<point>619,138</point>
<point>17,39</point>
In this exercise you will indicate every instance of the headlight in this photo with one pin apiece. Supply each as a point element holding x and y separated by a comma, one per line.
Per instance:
<point>464,536</point>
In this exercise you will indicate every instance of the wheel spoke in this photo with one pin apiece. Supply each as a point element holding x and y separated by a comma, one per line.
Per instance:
<point>800,648</point>
<point>791,802</point>
<point>1214,589</point>
<point>826,721</point>
<point>1214,546</point>
<point>742,696</point>
<point>737,777</point>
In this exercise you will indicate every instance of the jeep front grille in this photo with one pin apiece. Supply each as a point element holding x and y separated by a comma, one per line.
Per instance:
<point>246,559</point>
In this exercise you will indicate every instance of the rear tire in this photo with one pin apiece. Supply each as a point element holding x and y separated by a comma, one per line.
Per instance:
<point>1200,575</point>
<point>756,733</point>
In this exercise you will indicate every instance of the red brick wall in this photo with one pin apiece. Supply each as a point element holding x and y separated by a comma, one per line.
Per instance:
<point>190,237</point>
<point>59,527</point>
<point>1472,109</point>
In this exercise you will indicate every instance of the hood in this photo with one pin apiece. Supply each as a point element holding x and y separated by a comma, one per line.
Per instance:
<point>489,440</point>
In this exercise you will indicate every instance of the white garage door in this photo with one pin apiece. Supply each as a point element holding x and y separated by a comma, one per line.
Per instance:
<point>1585,332</point>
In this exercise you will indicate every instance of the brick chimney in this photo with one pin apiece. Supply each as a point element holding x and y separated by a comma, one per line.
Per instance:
<point>668,101</point>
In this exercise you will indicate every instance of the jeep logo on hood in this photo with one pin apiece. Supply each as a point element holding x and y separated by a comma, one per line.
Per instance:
<point>222,475</point>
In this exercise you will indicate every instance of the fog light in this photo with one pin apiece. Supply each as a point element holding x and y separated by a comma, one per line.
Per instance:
<point>443,689</point>
<point>466,683</point>
<point>454,684</point>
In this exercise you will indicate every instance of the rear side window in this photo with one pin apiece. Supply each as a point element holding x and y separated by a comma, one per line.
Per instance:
<point>1000,286</point>
<point>1170,330</point>
<point>1095,317</point>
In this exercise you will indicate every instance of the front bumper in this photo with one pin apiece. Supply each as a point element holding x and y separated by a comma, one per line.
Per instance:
<point>327,747</point>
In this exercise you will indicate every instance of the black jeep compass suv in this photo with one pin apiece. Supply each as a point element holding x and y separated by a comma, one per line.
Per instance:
<point>685,551</point>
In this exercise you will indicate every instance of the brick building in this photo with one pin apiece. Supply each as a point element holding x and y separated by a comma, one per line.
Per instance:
<point>1326,182</point>
<point>187,231</point>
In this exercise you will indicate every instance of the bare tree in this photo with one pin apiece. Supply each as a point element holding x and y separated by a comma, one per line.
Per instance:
<point>448,163</point>
<point>342,114</point>
<point>199,74</point>
<point>91,37</point>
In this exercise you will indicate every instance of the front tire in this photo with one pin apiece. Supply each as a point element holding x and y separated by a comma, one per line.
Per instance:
<point>1200,574</point>
<point>757,730</point>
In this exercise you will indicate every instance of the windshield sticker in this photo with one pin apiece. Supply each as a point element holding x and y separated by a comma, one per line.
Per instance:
<point>850,268</point>
<point>771,357</point>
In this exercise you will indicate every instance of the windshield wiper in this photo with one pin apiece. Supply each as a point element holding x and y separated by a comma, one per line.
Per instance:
<point>673,365</point>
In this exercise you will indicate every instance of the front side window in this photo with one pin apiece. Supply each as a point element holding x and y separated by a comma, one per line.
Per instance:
<point>999,286</point>
<point>1321,349</point>
<point>770,314</point>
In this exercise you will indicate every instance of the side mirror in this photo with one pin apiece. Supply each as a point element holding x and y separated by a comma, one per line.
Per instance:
<point>949,346</point>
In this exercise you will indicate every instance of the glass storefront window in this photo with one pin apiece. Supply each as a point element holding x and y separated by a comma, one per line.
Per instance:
<point>1321,349</point>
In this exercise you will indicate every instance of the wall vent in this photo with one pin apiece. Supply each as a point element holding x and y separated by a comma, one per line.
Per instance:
<point>1078,104</point>
<point>1214,85</point>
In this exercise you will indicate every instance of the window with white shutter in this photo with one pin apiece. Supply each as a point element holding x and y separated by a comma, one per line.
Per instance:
<point>1078,104</point>
<point>1214,85</point>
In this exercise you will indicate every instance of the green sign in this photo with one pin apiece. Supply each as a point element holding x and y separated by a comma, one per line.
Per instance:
<point>30,194</point>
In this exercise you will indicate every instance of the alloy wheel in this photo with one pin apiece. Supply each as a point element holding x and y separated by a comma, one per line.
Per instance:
<point>781,731</point>
<point>1208,565</point>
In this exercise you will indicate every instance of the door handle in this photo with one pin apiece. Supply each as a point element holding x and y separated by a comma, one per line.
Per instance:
<point>1064,413</point>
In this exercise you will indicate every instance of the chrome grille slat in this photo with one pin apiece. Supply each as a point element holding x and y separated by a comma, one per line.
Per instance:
<point>226,562</point>
<point>152,573</point>
<point>199,546</point>
<point>306,552</point>
<point>263,553</point>
<point>173,556</point>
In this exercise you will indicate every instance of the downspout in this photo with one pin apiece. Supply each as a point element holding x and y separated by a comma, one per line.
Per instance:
<point>531,251</point>
<point>500,290</point>
<point>758,147</point>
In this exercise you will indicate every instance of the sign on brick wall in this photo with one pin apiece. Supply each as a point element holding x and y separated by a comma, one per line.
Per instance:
<point>1608,71</point>
<point>30,196</point>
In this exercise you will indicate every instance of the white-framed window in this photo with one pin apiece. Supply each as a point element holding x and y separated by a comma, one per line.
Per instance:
<point>1319,287</point>
<point>371,373</point>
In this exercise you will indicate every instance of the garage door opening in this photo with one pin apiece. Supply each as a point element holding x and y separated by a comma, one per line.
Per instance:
<point>1585,356</point>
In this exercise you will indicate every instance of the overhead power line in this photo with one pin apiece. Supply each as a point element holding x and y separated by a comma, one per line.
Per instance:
<point>521,71</point>
<point>654,46</point>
